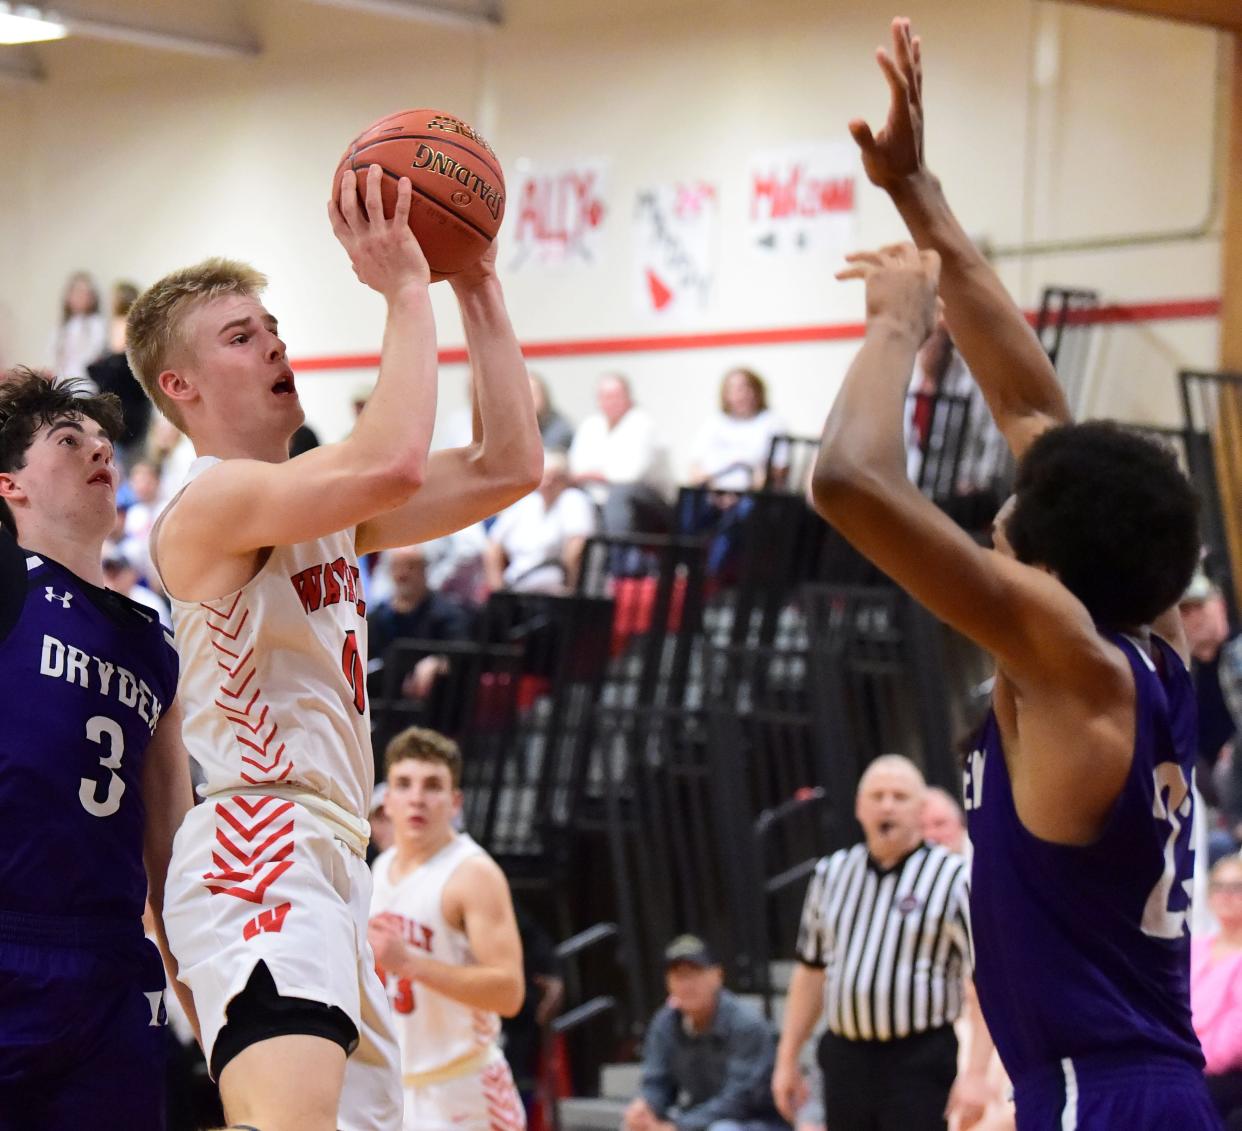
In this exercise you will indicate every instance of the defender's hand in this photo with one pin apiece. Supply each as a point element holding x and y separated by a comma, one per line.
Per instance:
<point>384,253</point>
<point>896,152</point>
<point>901,287</point>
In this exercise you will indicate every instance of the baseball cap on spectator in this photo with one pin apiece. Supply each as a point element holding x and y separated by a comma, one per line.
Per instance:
<point>690,949</point>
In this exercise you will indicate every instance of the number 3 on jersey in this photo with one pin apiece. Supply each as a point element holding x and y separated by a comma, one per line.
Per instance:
<point>99,729</point>
<point>355,672</point>
<point>400,991</point>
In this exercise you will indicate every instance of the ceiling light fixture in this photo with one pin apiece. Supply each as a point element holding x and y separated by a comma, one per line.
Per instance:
<point>22,23</point>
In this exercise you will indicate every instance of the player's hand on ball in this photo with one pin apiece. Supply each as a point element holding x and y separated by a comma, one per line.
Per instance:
<point>383,251</point>
<point>901,287</point>
<point>896,151</point>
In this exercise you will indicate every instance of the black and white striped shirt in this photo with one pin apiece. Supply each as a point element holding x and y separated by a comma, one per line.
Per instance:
<point>894,945</point>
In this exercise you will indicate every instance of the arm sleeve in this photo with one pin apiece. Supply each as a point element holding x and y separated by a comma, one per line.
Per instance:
<point>747,1068</point>
<point>658,1087</point>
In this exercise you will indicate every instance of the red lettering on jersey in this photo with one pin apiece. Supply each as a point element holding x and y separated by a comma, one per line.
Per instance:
<point>269,921</point>
<point>323,585</point>
<point>307,584</point>
<point>345,580</point>
<point>331,587</point>
<point>359,603</point>
<point>416,934</point>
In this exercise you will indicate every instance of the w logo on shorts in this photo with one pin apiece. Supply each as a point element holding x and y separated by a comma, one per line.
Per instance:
<point>267,921</point>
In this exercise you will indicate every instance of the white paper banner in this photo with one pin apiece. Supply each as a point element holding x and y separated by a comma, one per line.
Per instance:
<point>802,197</point>
<point>556,215</point>
<point>675,239</point>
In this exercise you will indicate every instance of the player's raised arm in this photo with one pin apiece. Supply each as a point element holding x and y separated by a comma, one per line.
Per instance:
<point>1005,357</point>
<point>505,458</point>
<point>1020,614</point>
<point>236,355</point>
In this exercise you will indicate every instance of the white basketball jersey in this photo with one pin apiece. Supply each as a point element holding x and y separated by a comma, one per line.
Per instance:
<point>432,1030</point>
<point>273,677</point>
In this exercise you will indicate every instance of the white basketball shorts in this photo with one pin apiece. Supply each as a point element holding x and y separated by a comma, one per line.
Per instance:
<point>256,877</point>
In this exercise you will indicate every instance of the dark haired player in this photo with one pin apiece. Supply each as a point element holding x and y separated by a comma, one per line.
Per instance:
<point>1079,794</point>
<point>94,781</point>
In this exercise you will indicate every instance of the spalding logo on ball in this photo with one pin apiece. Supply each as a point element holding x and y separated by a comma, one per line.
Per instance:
<point>459,190</point>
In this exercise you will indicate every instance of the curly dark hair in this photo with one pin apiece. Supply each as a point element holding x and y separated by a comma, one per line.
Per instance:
<point>1112,515</point>
<point>29,401</point>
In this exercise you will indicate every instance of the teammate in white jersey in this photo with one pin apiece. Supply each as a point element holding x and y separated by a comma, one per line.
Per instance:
<point>447,943</point>
<point>268,894</point>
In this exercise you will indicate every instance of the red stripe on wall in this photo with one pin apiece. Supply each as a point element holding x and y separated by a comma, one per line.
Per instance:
<point>1166,311</point>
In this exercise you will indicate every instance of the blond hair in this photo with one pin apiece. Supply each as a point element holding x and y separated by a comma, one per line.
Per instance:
<point>154,328</point>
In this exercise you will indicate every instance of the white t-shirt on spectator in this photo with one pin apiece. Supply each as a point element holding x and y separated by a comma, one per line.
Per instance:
<point>730,450</point>
<point>628,453</point>
<point>533,535</point>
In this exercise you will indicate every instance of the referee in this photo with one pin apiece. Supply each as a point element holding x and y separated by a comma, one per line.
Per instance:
<point>884,948</point>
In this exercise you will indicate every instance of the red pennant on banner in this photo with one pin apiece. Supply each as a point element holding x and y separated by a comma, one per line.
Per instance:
<point>661,296</point>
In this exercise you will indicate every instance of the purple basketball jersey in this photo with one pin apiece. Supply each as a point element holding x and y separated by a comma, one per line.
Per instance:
<point>1084,949</point>
<point>86,674</point>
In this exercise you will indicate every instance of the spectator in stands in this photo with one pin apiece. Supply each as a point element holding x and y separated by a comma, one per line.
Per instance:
<point>455,565</point>
<point>122,577</point>
<point>535,546</point>
<point>1216,991</point>
<point>707,1056</point>
<point>381,824</point>
<point>617,458</point>
<point>413,612</point>
<point>113,375</point>
<point>82,336</point>
<point>889,1055</point>
<point>944,822</point>
<point>556,431</point>
<point>1206,620</point>
<point>732,448</point>
<point>139,498</point>
<point>954,449</point>
<point>172,453</point>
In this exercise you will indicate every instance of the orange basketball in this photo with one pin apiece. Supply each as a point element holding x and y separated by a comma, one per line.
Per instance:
<point>459,189</point>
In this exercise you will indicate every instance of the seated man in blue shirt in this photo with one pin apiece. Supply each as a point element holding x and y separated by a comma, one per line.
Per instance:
<point>707,1057</point>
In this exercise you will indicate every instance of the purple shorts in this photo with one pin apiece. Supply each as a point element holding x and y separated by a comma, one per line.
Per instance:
<point>1112,1093</point>
<point>83,1031</point>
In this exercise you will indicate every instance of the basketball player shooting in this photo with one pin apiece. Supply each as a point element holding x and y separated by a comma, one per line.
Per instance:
<point>269,890</point>
<point>1079,793</point>
<point>446,938</point>
<point>94,781</point>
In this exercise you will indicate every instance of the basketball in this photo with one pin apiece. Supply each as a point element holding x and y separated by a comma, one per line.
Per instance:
<point>459,190</point>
